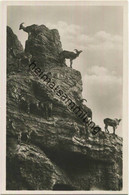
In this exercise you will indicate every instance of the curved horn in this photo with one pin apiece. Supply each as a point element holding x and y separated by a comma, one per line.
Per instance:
<point>76,50</point>
<point>20,27</point>
<point>84,99</point>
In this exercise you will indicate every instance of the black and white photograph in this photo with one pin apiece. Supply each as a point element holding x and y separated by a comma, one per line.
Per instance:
<point>65,90</point>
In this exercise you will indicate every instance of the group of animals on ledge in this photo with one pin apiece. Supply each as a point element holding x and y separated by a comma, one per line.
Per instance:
<point>71,56</point>
<point>63,55</point>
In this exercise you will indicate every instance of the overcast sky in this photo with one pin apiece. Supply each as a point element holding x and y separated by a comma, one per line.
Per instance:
<point>98,31</point>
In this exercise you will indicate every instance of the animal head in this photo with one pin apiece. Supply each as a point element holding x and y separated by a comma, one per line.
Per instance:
<point>78,52</point>
<point>118,120</point>
<point>21,25</point>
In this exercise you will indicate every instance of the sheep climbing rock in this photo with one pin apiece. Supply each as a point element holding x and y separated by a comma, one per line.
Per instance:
<point>69,55</point>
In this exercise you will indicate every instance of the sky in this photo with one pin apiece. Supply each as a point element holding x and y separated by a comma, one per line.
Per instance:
<point>98,32</point>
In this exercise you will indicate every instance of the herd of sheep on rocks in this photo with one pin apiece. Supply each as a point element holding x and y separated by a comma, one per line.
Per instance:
<point>62,56</point>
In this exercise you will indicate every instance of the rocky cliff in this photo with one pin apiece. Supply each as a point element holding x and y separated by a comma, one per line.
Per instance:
<point>44,150</point>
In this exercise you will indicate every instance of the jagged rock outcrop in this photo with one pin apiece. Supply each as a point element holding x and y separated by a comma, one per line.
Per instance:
<point>45,46</point>
<point>45,153</point>
<point>13,45</point>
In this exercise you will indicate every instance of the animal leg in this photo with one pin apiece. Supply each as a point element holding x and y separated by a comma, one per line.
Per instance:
<point>114,130</point>
<point>71,62</point>
<point>106,129</point>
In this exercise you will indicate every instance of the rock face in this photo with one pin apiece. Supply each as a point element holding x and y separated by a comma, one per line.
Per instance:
<point>13,44</point>
<point>44,150</point>
<point>45,46</point>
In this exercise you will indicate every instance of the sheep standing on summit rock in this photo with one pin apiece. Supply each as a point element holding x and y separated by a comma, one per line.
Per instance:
<point>28,29</point>
<point>69,55</point>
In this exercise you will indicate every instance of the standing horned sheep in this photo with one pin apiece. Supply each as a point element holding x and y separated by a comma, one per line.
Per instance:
<point>28,29</point>
<point>69,55</point>
<point>111,122</point>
